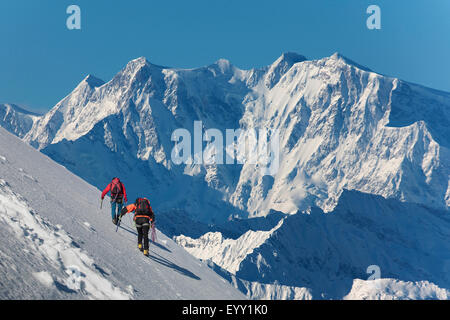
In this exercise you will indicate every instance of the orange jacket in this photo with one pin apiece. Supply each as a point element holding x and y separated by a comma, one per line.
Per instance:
<point>132,207</point>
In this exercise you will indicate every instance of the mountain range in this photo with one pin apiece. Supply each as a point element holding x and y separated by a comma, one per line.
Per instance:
<point>363,176</point>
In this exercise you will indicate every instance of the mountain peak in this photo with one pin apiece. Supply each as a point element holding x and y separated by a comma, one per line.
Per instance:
<point>291,58</point>
<point>223,62</point>
<point>281,66</point>
<point>224,65</point>
<point>339,57</point>
<point>137,64</point>
<point>140,61</point>
<point>93,81</point>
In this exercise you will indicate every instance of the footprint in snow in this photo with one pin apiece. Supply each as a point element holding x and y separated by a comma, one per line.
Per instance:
<point>89,227</point>
<point>26,175</point>
<point>30,177</point>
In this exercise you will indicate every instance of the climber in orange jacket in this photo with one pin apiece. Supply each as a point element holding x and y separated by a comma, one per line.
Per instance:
<point>143,217</point>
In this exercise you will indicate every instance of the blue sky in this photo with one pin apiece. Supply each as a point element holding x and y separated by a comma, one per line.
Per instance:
<point>41,60</point>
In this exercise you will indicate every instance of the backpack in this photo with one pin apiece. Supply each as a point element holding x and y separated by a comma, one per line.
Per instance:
<point>143,207</point>
<point>116,190</point>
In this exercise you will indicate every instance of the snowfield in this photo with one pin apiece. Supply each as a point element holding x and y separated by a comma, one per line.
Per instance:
<point>57,244</point>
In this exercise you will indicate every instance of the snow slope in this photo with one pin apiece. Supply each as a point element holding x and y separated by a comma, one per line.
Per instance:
<point>50,250</point>
<point>56,243</point>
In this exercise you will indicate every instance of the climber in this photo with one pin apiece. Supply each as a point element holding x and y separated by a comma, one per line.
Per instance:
<point>144,219</point>
<point>118,196</point>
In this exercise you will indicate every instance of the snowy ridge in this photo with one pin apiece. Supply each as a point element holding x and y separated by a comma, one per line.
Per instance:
<point>227,253</point>
<point>264,291</point>
<point>52,223</point>
<point>17,120</point>
<point>63,114</point>
<point>391,289</point>
<point>322,254</point>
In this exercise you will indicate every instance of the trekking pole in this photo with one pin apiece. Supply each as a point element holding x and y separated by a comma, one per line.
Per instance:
<point>118,223</point>
<point>101,204</point>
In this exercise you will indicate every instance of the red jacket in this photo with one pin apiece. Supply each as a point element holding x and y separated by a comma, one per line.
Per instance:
<point>108,187</point>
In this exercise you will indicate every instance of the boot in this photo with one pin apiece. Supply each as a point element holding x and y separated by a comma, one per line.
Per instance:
<point>140,247</point>
<point>146,253</point>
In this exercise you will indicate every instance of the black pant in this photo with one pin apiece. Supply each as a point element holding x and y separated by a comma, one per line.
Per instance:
<point>143,227</point>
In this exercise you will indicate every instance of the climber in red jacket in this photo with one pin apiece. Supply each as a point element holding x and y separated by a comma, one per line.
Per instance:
<point>118,195</point>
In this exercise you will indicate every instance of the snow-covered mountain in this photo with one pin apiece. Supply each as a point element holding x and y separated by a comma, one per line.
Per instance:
<point>348,136</point>
<point>342,127</point>
<point>57,244</point>
<point>318,255</point>
<point>17,120</point>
